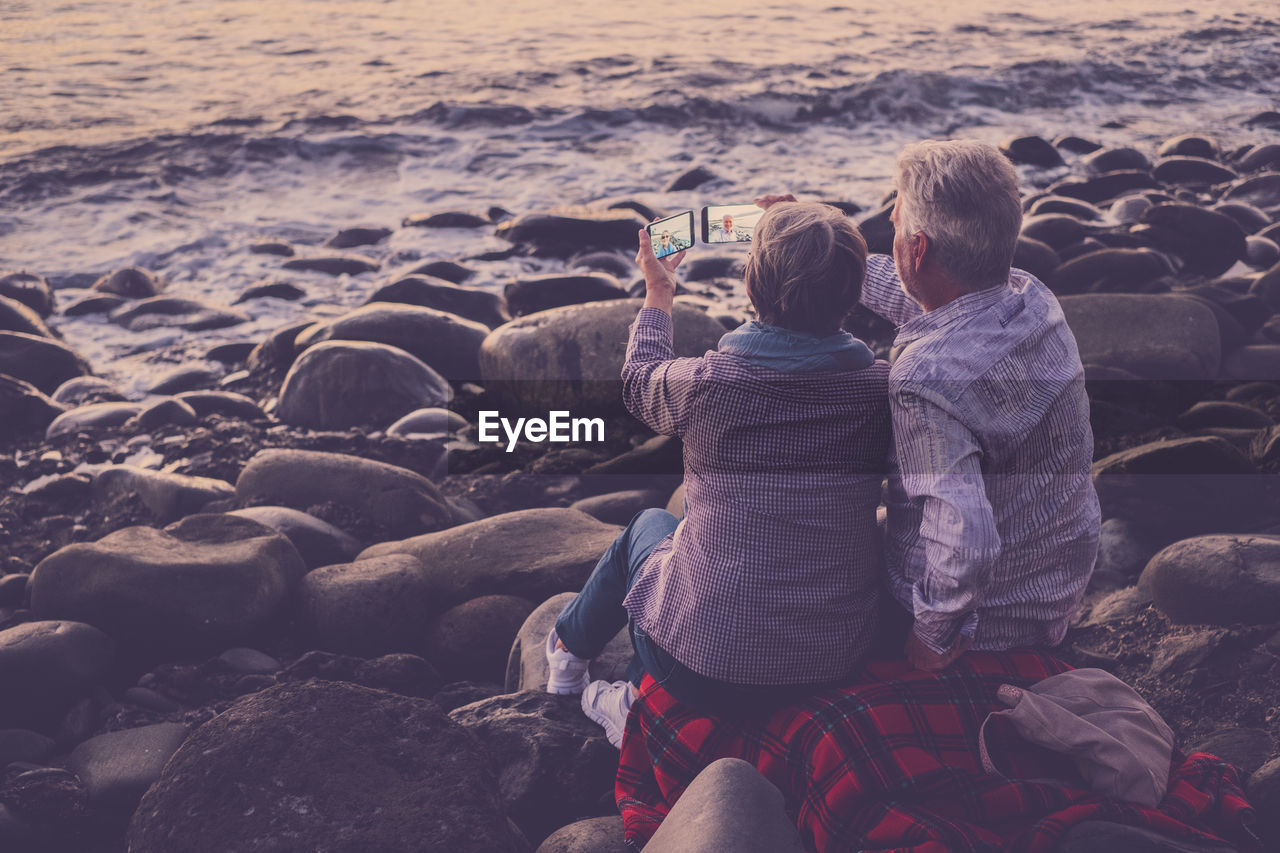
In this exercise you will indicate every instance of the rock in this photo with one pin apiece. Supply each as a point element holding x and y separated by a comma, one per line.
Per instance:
<point>130,282</point>
<point>318,542</point>
<point>1191,170</point>
<point>1035,257</point>
<point>1109,270</point>
<point>1262,190</point>
<point>470,642</point>
<point>1259,157</point>
<point>1248,217</point>
<point>46,666</point>
<point>236,352</point>
<point>1130,208</point>
<point>481,306</point>
<point>1115,159</point>
<point>1072,207</point>
<point>447,270</point>
<point>169,496</point>
<point>1217,580</point>
<point>118,767</point>
<point>152,701</point>
<point>447,219</point>
<point>729,806</point>
<point>428,421</point>
<point>371,607</point>
<point>1123,551</point>
<point>99,304</point>
<point>15,316</point>
<point>1105,186</point>
<point>26,410</point>
<point>692,179</point>
<point>44,363</point>
<point>31,290</point>
<point>1256,362</point>
<point>174,312</point>
<point>349,238</point>
<point>532,553</point>
<point>1189,145</point>
<point>404,502</point>
<point>13,592</point>
<point>593,835</point>
<point>611,263</point>
<point>408,675</point>
<point>91,418</point>
<point>661,454</point>
<point>1031,151</point>
<point>1153,337</point>
<point>1215,413</point>
<point>334,265</point>
<point>1245,747</point>
<point>1058,230</point>
<point>527,660</point>
<point>708,267</point>
<point>283,250</point>
<point>1207,241</point>
<point>271,290</point>
<point>528,296</point>
<point>86,389</point>
<point>553,764</point>
<point>1097,836</point>
<point>225,403</point>
<point>618,507</point>
<point>1260,253</point>
<point>202,584</point>
<point>1183,487</point>
<point>571,358</point>
<point>24,745</point>
<point>185,379</point>
<point>1116,606</point>
<point>337,384</point>
<point>446,343</point>
<point>305,766</point>
<point>1075,144</point>
<point>1267,288</point>
<point>166,411</point>
<point>562,235</point>
<point>1263,791</point>
<point>1184,653</point>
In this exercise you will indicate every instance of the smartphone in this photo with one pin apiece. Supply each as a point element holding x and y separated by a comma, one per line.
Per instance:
<point>671,235</point>
<point>729,223</point>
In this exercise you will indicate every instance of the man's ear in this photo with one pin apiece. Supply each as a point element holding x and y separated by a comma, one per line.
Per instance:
<point>918,248</point>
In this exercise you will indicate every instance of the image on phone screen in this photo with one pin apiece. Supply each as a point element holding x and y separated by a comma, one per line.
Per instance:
<point>671,235</point>
<point>729,223</point>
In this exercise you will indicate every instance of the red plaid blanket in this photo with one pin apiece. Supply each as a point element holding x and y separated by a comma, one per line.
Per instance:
<point>892,764</point>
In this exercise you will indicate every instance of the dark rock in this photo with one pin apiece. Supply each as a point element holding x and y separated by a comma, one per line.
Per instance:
<point>31,290</point>
<point>593,835</point>
<point>91,418</point>
<point>1250,218</point>
<point>619,507</point>
<point>44,363</point>
<point>1208,242</point>
<point>225,403</point>
<point>1106,186</point>
<point>103,304</point>
<point>46,666</point>
<point>408,675</point>
<point>611,263</point>
<point>318,542</point>
<point>446,219</point>
<point>1130,208</point>
<point>562,235</point>
<point>1263,791</point>
<point>481,306</point>
<point>349,238</point>
<point>1035,257</point>
<point>1267,288</point>
<point>249,661</point>
<point>528,296</point>
<point>26,410</point>
<point>162,412</point>
<point>877,229</point>
<point>337,384</point>
<point>448,344</point>
<point>152,701</point>
<point>553,764</point>
<point>1261,253</point>
<point>1246,309</point>
<point>305,766</point>
<point>471,641</point>
<point>277,350</point>
<point>1055,229</point>
<point>174,312</point>
<point>527,660</point>
<point>370,607</point>
<point>59,490</point>
<point>1192,170</point>
<point>1076,145</point>
<point>708,267</point>
<point>1152,337</point>
<point>428,421</point>
<point>404,502</point>
<point>661,454</point>
<point>24,745</point>
<point>647,213</point>
<point>13,592</point>
<point>447,270</point>
<point>86,389</point>
<point>1189,145</point>
<point>118,767</point>
<point>1123,551</point>
<point>1114,160</point>
<point>1073,207</point>
<point>1255,362</point>
<point>16,316</point>
<point>233,353</point>
<point>1127,268</point>
<point>692,179</point>
<point>1246,748</point>
<point>334,265</point>
<point>1260,157</point>
<point>130,282</point>
<point>1217,580</point>
<point>184,379</point>
<point>1116,606</point>
<point>283,250</point>
<point>1262,190</point>
<point>1216,413</point>
<point>169,496</point>
<point>1032,151</point>
<point>271,290</point>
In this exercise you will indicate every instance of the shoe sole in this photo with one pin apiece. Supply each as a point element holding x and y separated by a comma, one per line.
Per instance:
<point>611,730</point>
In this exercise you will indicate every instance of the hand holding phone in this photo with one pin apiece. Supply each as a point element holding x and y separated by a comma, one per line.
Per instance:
<point>729,223</point>
<point>671,235</point>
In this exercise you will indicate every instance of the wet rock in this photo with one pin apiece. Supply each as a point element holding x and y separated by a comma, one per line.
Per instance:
<point>166,411</point>
<point>174,312</point>
<point>1130,209</point>
<point>1109,270</point>
<point>447,270</point>
<point>31,290</point>
<point>130,282</point>
<point>46,666</point>
<point>26,410</point>
<point>553,764</point>
<point>445,219</point>
<point>232,353</point>
<point>1115,159</point>
<point>1267,288</point>
<point>692,179</point>
<point>349,238</point>
<point>404,502</point>
<point>1105,186</point>
<point>593,835</point>
<point>1073,207</point>
<point>334,265</point>
<point>18,317</point>
<point>225,403</point>
<point>444,342</point>
<point>1035,257</point>
<point>562,235</point>
<point>408,675</point>
<point>1248,217</point>
<point>528,296</point>
<point>200,585</point>
<point>91,418</point>
<point>1258,361</point>
<point>470,642</point>
<point>169,496</point>
<point>1262,190</point>
<point>729,806</point>
<point>1189,145</point>
<point>527,660</point>
<point>13,591</point>
<point>532,553</point>
<point>278,349</point>
<point>709,267</point>
<point>337,384</point>
<point>304,766</point>
<point>100,304</point>
<point>489,309</point>
<point>1260,253</point>
<point>428,422</point>
<point>271,290</point>
<point>318,542</point>
<point>1260,157</point>
<point>86,389</point>
<point>1152,337</point>
<point>610,263</point>
<point>1216,413</point>
<point>1247,748</point>
<point>371,607</point>
<point>283,250</point>
<point>1058,230</point>
<point>118,767</point>
<point>1217,579</point>
<point>619,507</point>
<point>44,363</point>
<point>1208,242</point>
<point>1199,171</point>
<point>249,661</point>
<point>185,379</point>
<point>1075,144</point>
<point>1031,151</point>
<point>571,358</point>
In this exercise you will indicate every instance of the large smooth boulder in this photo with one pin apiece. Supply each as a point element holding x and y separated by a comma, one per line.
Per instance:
<point>470,642</point>
<point>17,316</point>
<point>27,410</point>
<point>177,313</point>
<point>44,363</point>
<point>481,306</point>
<point>553,764</point>
<point>1150,336</point>
<point>325,766</point>
<point>319,543</point>
<point>30,289</point>
<point>1208,242</point>
<point>118,767</point>
<point>571,357</point>
<point>1217,580</point>
<point>527,660</point>
<point>169,496</point>
<point>530,295</point>
<point>339,384</point>
<point>561,234</point>
<point>445,342</point>
<point>370,607</point>
<point>333,264</point>
<point>532,553</point>
<point>201,585</point>
<point>398,499</point>
<point>46,666</point>
<point>130,282</point>
<point>593,835</point>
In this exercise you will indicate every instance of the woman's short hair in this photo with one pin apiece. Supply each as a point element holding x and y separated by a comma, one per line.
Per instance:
<point>806,267</point>
<point>963,194</point>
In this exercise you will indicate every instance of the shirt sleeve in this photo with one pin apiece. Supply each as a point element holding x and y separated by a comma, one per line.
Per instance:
<point>939,462</point>
<point>882,292</point>
<point>657,387</point>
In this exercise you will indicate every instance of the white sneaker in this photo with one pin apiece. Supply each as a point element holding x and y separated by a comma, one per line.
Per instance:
<point>609,704</point>
<point>567,673</point>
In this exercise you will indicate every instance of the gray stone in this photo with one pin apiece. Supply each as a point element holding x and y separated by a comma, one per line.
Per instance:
<point>1123,551</point>
<point>225,403</point>
<point>1218,413</point>
<point>177,313</point>
<point>205,583</point>
<point>1263,791</point>
<point>334,265</point>
<point>44,363</point>
<point>324,765</point>
<point>24,745</point>
<point>130,282</point>
<point>1217,580</point>
<point>165,411</point>
<point>447,270</point>
<point>400,500</point>
<point>187,378</point>
<point>593,835</point>
<point>1183,653</point>
<point>1116,606</point>
<point>1247,748</point>
<point>446,343</point>
<point>338,384</point>
<point>428,421</point>
<point>16,316</point>
<point>1262,190</point>
<point>46,666</point>
<point>692,179</point>
<point>249,661</point>
<point>1199,171</point>
<point>349,238</point>
<point>1032,151</point>
<point>1189,145</point>
<point>31,290</point>
<point>103,303</point>
<point>527,661</point>
<point>533,553</point>
<point>1108,270</point>
<point>564,234</point>
<point>93,417</point>
<point>1113,159</point>
<point>1208,242</point>
<point>445,219</point>
<point>471,641</point>
<point>118,767</point>
<point>729,806</point>
<point>408,675</point>
<point>368,608</point>
<point>319,543</point>
<point>618,507</point>
<point>27,410</point>
<point>1096,836</point>
<point>271,290</point>
<point>1106,186</point>
<point>83,390</point>
<point>481,306</point>
<point>168,496</point>
<point>1254,362</point>
<point>530,295</point>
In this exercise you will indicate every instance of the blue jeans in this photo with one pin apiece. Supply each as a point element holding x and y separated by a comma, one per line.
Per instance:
<point>591,620</point>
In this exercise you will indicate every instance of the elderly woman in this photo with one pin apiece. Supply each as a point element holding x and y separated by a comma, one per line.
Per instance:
<point>770,585</point>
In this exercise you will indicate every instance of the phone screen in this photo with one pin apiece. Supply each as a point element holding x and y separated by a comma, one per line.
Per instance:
<point>729,223</point>
<point>671,235</point>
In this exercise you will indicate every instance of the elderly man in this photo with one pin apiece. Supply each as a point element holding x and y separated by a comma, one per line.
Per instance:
<point>992,517</point>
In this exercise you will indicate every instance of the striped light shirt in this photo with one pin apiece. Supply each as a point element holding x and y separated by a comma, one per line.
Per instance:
<point>992,516</point>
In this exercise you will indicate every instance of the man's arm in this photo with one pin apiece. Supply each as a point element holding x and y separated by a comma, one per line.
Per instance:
<point>939,460</point>
<point>882,292</point>
<point>657,387</point>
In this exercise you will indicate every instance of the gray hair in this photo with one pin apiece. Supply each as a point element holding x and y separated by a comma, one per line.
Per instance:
<point>963,195</point>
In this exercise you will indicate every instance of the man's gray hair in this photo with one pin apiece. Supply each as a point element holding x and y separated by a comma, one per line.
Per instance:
<point>963,194</point>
